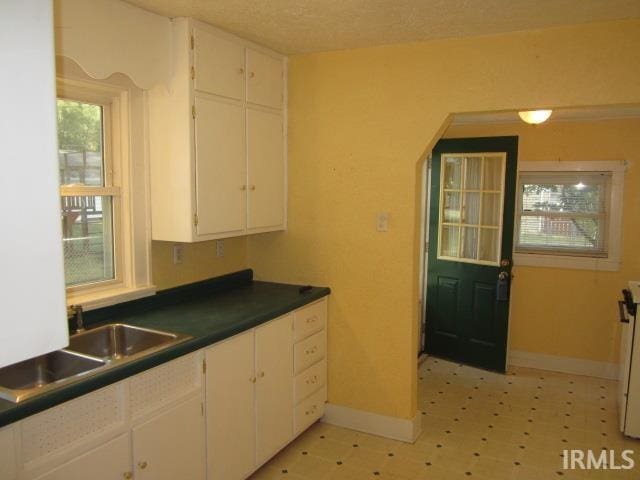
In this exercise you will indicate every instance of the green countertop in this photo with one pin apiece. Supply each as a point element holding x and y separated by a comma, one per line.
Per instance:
<point>209,312</point>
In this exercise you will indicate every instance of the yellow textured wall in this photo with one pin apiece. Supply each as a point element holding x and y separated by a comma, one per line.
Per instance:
<point>360,122</point>
<point>566,312</point>
<point>199,262</point>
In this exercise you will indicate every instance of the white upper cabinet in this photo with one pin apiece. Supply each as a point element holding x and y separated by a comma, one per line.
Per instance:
<point>264,79</point>
<point>29,189</point>
<point>218,65</point>
<point>220,170</point>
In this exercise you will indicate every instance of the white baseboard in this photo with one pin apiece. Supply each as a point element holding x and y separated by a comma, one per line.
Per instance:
<point>367,422</point>
<point>577,366</point>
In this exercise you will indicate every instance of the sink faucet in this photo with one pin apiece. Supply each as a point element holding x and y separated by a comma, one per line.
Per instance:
<point>76,311</point>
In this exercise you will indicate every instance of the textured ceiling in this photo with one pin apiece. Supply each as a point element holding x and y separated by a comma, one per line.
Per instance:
<point>300,26</point>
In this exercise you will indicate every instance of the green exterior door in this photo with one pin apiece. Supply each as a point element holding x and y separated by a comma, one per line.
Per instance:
<point>473,183</point>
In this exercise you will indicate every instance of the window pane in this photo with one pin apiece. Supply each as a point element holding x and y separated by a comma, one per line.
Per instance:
<point>80,137</point>
<point>491,209</point>
<point>574,198</point>
<point>452,172</point>
<point>488,244</point>
<point>87,226</point>
<point>492,173</point>
<point>449,241</point>
<point>471,208</point>
<point>469,243</point>
<point>572,233</point>
<point>451,207</point>
<point>472,173</point>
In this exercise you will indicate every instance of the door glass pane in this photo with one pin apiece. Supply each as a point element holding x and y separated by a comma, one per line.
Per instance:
<point>451,208</point>
<point>488,244</point>
<point>492,173</point>
<point>80,139</point>
<point>491,209</point>
<point>469,243</point>
<point>452,172</point>
<point>472,173</point>
<point>87,223</point>
<point>449,241</point>
<point>471,208</point>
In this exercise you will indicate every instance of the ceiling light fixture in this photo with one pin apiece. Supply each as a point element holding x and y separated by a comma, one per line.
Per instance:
<point>535,117</point>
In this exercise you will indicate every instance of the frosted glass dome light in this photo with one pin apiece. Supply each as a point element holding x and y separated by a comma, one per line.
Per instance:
<point>535,117</point>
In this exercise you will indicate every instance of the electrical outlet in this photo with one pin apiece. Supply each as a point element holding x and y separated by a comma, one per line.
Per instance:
<point>382,223</point>
<point>219,248</point>
<point>178,253</point>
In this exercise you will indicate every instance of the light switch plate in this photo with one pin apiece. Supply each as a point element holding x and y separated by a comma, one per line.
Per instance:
<point>382,224</point>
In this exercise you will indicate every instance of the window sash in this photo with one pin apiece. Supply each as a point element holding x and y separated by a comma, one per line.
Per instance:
<point>601,179</point>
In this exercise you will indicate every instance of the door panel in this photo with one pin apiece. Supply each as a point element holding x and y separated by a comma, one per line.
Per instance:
<point>220,166</point>
<point>231,418</point>
<point>171,445</point>
<point>274,387</point>
<point>264,79</point>
<point>471,211</point>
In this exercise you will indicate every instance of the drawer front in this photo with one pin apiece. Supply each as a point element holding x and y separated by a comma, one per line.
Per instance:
<point>309,320</point>
<point>309,351</point>
<point>310,410</point>
<point>310,380</point>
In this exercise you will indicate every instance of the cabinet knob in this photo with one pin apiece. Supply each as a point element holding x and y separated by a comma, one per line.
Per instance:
<point>127,475</point>
<point>312,319</point>
<point>252,379</point>
<point>261,374</point>
<point>241,70</point>
<point>243,187</point>
<point>251,74</point>
<point>252,187</point>
<point>142,465</point>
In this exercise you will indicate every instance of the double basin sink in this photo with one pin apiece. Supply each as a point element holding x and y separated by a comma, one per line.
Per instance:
<point>89,352</point>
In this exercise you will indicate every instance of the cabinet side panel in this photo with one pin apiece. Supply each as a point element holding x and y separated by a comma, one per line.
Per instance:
<point>170,147</point>
<point>274,387</point>
<point>29,190</point>
<point>230,408</point>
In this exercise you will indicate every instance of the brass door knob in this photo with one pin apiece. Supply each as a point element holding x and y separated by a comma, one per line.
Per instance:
<point>142,465</point>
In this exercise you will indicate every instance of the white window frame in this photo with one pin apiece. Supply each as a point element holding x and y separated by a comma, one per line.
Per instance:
<point>558,259</point>
<point>132,242</point>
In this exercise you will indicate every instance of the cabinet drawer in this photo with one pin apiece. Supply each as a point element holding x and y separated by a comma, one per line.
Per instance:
<point>309,351</point>
<point>309,319</point>
<point>310,410</point>
<point>309,381</point>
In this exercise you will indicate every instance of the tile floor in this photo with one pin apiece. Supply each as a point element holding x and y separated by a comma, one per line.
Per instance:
<point>476,424</point>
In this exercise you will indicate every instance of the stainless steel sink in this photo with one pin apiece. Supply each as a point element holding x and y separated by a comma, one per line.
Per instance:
<point>40,374</point>
<point>118,341</point>
<point>89,352</point>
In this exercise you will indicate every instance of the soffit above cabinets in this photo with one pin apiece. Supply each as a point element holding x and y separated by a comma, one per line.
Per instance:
<point>302,26</point>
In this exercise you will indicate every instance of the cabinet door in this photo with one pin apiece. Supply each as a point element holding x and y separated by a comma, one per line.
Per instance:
<point>110,461</point>
<point>7,454</point>
<point>264,79</point>
<point>266,170</point>
<point>220,166</point>
<point>230,383</point>
<point>219,65</point>
<point>171,445</point>
<point>274,387</point>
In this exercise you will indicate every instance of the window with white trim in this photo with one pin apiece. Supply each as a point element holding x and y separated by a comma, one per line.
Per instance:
<point>569,215</point>
<point>103,191</point>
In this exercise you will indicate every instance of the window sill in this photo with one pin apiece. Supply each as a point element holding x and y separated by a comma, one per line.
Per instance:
<point>566,261</point>
<point>104,298</point>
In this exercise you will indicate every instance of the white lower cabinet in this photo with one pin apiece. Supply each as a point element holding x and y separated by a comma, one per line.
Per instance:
<point>249,399</point>
<point>171,445</point>
<point>110,461</point>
